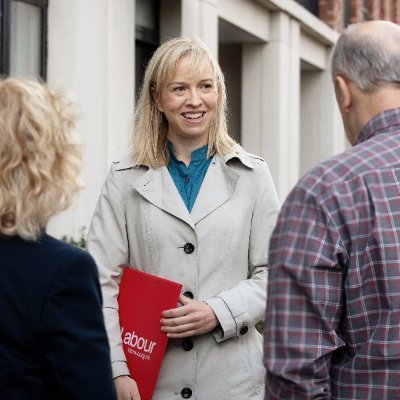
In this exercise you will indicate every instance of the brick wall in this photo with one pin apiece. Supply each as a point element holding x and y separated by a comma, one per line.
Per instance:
<point>396,11</point>
<point>386,9</point>
<point>356,14</point>
<point>374,9</point>
<point>332,11</point>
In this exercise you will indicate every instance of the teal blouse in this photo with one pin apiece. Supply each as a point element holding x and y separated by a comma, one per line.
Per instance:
<point>188,180</point>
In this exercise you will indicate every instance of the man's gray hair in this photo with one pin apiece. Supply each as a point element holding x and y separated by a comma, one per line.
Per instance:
<point>365,60</point>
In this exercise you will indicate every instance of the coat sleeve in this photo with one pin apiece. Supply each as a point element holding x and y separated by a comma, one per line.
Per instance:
<point>243,306</point>
<point>108,244</point>
<point>73,334</point>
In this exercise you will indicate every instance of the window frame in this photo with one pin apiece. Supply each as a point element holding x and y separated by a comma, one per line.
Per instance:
<point>5,26</point>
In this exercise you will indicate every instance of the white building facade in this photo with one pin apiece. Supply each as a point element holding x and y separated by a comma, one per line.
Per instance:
<point>274,53</point>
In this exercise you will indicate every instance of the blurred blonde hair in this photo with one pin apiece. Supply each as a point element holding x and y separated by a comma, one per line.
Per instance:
<point>150,125</point>
<point>40,156</point>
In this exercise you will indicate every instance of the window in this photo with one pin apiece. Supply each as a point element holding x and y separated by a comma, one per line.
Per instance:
<point>366,10</point>
<point>310,5</point>
<point>347,13</point>
<point>147,36</point>
<point>23,38</point>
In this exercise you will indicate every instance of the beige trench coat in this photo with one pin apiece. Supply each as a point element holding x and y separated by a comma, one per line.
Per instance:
<point>140,219</point>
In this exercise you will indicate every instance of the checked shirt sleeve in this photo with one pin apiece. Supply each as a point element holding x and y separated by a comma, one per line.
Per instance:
<point>304,299</point>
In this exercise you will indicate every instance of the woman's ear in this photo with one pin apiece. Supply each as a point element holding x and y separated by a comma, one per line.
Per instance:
<point>343,93</point>
<point>156,100</point>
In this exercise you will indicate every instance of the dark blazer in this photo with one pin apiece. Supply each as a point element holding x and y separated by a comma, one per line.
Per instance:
<point>53,343</point>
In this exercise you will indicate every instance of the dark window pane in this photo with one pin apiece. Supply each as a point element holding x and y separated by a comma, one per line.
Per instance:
<point>147,36</point>
<point>146,12</point>
<point>347,12</point>
<point>310,5</point>
<point>144,51</point>
<point>147,20</point>
<point>366,10</point>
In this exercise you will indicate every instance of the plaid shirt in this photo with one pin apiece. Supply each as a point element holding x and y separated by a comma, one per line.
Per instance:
<point>332,326</point>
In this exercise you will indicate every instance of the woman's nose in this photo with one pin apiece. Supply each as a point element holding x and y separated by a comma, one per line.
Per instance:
<point>194,98</point>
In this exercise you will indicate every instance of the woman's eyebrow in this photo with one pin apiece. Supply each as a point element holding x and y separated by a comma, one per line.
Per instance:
<point>184,82</point>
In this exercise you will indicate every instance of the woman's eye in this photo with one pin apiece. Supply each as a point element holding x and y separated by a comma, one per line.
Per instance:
<point>179,89</point>
<point>207,86</point>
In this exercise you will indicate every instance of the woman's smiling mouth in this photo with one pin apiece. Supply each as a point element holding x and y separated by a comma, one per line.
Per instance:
<point>193,115</point>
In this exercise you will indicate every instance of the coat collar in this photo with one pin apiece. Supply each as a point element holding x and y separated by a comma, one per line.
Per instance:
<point>239,153</point>
<point>157,186</point>
<point>217,188</point>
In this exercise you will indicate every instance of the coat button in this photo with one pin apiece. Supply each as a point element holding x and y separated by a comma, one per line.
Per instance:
<point>188,294</point>
<point>188,248</point>
<point>187,344</point>
<point>186,393</point>
<point>243,330</point>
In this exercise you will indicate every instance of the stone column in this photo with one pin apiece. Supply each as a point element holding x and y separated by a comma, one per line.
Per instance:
<point>91,54</point>
<point>200,17</point>
<point>270,107</point>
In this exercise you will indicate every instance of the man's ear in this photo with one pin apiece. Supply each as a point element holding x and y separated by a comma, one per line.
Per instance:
<point>343,93</point>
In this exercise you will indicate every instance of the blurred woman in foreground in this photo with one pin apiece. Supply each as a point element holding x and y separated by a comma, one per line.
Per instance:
<point>53,343</point>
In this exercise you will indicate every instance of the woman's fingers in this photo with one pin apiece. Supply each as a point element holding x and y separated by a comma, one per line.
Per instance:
<point>194,318</point>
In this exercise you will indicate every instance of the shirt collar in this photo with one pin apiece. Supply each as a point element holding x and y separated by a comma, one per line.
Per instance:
<point>199,154</point>
<point>379,124</point>
<point>239,153</point>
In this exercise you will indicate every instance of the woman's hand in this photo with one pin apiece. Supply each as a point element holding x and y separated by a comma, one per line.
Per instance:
<point>126,388</point>
<point>192,319</point>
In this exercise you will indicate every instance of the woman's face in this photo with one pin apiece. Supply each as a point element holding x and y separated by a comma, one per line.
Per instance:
<point>189,104</point>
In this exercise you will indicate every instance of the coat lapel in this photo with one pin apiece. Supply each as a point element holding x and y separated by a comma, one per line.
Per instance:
<point>157,186</point>
<point>159,189</point>
<point>218,186</point>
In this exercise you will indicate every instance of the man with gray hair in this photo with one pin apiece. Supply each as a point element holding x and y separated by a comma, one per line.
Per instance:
<point>332,328</point>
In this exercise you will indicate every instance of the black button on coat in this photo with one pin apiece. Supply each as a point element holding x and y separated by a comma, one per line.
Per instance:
<point>187,344</point>
<point>243,330</point>
<point>188,248</point>
<point>186,393</point>
<point>189,294</point>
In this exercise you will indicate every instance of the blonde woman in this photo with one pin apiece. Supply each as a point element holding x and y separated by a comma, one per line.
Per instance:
<point>53,344</point>
<point>189,204</point>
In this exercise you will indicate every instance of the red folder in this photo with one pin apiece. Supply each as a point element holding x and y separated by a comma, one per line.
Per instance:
<point>142,298</point>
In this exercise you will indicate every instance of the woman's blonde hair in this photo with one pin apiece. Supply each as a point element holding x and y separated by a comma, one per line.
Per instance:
<point>40,156</point>
<point>150,125</point>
